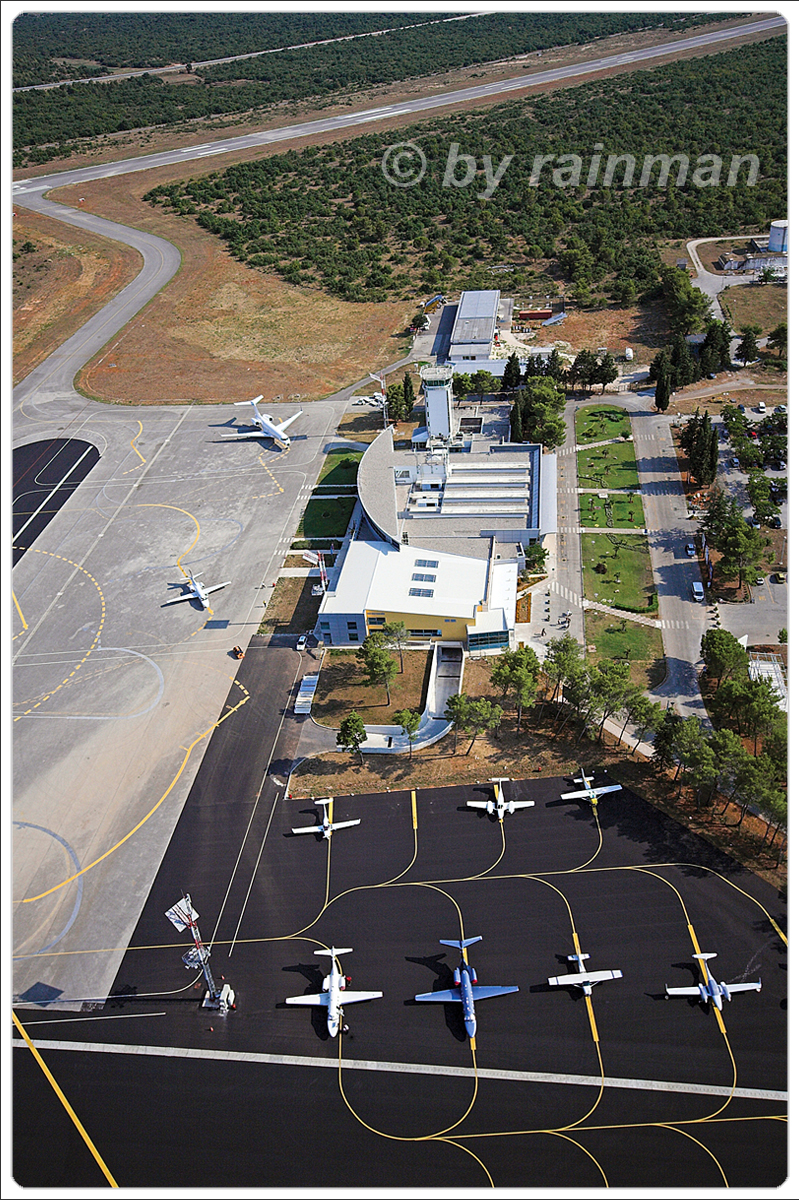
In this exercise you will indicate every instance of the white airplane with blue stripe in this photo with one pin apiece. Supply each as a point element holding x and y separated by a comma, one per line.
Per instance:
<point>712,992</point>
<point>265,426</point>
<point>466,990</point>
<point>334,994</point>
<point>197,591</point>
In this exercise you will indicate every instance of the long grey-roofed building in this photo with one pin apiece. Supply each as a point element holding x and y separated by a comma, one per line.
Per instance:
<point>475,325</point>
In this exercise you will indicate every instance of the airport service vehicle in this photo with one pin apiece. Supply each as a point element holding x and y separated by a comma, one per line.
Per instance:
<point>197,591</point>
<point>334,994</point>
<point>265,426</point>
<point>711,992</point>
<point>466,990</point>
<point>327,826</point>
<point>585,980</point>
<point>499,805</point>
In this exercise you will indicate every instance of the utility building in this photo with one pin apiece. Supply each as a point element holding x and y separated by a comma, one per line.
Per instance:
<point>475,325</point>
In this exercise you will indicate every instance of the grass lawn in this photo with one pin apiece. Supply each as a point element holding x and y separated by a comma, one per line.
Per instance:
<point>342,688</point>
<point>625,639</point>
<point>608,467</point>
<point>628,580</point>
<point>326,518</point>
<point>292,607</point>
<point>597,422</point>
<point>626,512</point>
<point>340,468</point>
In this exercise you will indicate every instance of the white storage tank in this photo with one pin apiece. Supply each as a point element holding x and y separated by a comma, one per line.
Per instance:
<point>778,237</point>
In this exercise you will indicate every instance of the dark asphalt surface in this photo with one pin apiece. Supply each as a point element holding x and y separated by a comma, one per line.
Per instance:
<point>45,474</point>
<point>266,902</point>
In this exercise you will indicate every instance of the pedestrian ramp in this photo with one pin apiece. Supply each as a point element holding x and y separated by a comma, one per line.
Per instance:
<point>306,693</point>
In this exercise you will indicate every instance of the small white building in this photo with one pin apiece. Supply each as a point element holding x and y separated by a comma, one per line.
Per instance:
<point>475,326</point>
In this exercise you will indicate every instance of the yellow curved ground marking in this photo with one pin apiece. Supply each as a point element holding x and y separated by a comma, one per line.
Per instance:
<point>186,513</point>
<point>134,447</point>
<point>701,1146</point>
<point>200,737</point>
<point>451,1142</point>
<point>64,682</point>
<point>70,1111</point>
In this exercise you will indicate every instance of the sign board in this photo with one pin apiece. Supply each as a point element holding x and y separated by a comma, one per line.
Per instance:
<point>182,915</point>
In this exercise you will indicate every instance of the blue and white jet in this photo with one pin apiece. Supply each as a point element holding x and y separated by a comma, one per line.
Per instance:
<point>265,426</point>
<point>712,992</point>
<point>466,991</point>
<point>334,994</point>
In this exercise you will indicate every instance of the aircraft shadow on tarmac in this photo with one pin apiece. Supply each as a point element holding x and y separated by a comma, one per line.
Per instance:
<point>316,980</point>
<point>445,979</point>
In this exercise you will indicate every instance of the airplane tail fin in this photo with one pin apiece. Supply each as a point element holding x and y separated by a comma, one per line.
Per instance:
<point>578,957</point>
<point>324,803</point>
<point>335,950</point>
<point>705,957</point>
<point>458,944</point>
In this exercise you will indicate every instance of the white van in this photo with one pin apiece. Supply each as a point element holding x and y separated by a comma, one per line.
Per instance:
<point>697,591</point>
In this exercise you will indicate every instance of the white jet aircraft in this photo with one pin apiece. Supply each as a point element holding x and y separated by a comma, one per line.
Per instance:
<point>499,804</point>
<point>710,991</point>
<point>328,826</point>
<point>197,591</point>
<point>585,980</point>
<point>265,426</point>
<point>334,994</point>
<point>591,794</point>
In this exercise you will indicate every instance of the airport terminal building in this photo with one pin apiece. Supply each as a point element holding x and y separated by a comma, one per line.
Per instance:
<point>438,535</point>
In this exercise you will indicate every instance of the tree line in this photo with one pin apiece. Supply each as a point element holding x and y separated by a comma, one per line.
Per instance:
<point>328,217</point>
<point>717,763</point>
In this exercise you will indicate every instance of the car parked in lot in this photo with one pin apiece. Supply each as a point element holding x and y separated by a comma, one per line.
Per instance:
<point>302,642</point>
<point>780,409</point>
<point>690,551</point>
<point>779,577</point>
<point>736,463</point>
<point>697,591</point>
<point>761,408</point>
<point>776,523</point>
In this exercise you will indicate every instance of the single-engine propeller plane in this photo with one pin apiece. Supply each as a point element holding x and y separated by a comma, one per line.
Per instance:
<point>197,591</point>
<point>466,991</point>
<point>334,994</point>
<point>499,805</point>
<point>585,980</point>
<point>712,992</point>
<point>265,426</point>
<point>328,826</point>
<point>586,792</point>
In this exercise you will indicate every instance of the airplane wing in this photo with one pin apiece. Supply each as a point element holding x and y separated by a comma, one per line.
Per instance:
<point>348,997</point>
<point>177,599</point>
<point>310,829</point>
<point>344,824</point>
<point>483,993</point>
<point>240,437</point>
<point>478,803</point>
<point>285,424</point>
<point>523,803</point>
<point>320,1000</point>
<point>611,787</point>
<point>217,587</point>
<point>683,991</point>
<point>575,795</point>
<point>589,977</point>
<point>443,997</point>
<point>742,987</point>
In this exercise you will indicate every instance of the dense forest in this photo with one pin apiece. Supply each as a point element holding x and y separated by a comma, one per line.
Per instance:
<point>47,45</point>
<point>46,123</point>
<point>328,216</point>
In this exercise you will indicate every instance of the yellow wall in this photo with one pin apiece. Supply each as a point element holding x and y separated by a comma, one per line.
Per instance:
<point>451,631</point>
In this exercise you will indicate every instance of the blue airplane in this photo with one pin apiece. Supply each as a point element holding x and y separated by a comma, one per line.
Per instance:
<point>465,991</point>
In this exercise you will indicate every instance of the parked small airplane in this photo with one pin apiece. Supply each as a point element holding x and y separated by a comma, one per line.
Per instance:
<point>197,591</point>
<point>499,804</point>
<point>333,995</point>
<point>265,425</point>
<point>586,980</point>
<point>328,826</point>
<point>465,991</point>
<point>712,992</point>
<point>591,794</point>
